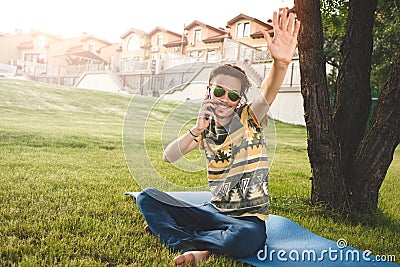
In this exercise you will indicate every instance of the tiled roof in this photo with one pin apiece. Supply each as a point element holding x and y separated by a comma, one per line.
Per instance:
<point>243,16</point>
<point>75,48</point>
<point>177,43</point>
<point>132,30</point>
<point>26,45</point>
<point>156,29</point>
<point>86,55</point>
<point>259,34</point>
<point>216,38</point>
<point>34,33</point>
<point>196,22</point>
<point>91,37</point>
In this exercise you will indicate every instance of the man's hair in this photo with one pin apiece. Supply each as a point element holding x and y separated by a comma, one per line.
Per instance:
<point>233,71</point>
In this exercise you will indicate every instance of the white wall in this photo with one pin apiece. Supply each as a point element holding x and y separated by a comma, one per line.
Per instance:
<point>288,107</point>
<point>99,81</point>
<point>192,92</point>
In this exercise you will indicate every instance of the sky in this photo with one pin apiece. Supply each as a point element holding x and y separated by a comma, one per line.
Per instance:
<point>110,19</point>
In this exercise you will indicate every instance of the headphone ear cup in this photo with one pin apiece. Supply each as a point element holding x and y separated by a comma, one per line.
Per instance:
<point>242,102</point>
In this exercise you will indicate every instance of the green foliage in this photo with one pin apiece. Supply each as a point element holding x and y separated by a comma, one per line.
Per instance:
<point>63,175</point>
<point>386,36</point>
<point>333,15</point>
<point>386,41</point>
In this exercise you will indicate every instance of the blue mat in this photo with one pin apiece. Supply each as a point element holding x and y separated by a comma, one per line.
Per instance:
<point>289,244</point>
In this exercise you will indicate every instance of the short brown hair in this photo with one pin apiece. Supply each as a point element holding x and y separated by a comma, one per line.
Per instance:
<point>234,71</point>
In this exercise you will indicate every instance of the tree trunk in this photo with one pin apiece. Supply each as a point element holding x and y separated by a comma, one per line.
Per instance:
<point>353,92</point>
<point>348,163</point>
<point>376,150</point>
<point>327,182</point>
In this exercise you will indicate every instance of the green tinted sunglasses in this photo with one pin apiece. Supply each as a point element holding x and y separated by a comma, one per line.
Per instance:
<point>232,95</point>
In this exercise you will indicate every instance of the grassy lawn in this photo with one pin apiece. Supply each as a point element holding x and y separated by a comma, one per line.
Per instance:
<point>63,174</point>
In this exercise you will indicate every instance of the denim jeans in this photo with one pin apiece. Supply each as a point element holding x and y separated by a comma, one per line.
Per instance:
<point>185,227</point>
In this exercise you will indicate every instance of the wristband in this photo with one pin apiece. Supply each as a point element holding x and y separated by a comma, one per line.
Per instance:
<point>195,136</point>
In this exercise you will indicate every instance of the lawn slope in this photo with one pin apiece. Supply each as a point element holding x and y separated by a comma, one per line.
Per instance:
<point>63,174</point>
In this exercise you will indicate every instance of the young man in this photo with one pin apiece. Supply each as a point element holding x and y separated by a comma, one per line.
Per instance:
<point>231,133</point>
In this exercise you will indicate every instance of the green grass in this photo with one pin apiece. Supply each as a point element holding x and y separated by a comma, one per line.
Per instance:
<point>63,174</point>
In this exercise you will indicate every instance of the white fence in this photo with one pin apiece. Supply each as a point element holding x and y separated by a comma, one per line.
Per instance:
<point>36,69</point>
<point>7,69</point>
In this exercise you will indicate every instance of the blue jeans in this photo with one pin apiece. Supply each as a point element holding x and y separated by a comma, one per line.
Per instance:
<point>184,227</point>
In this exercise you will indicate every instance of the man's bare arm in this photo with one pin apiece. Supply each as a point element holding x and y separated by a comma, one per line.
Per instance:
<point>178,148</point>
<point>281,48</point>
<point>187,142</point>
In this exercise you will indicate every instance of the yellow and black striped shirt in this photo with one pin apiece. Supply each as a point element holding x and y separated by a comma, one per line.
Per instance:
<point>237,165</point>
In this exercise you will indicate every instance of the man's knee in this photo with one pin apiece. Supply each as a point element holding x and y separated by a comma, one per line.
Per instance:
<point>246,242</point>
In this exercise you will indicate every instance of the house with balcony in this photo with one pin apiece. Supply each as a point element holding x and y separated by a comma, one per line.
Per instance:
<point>165,47</point>
<point>26,50</point>
<point>10,43</point>
<point>247,43</point>
<point>84,50</point>
<point>134,50</point>
<point>204,41</point>
<point>248,30</point>
<point>177,46</point>
<point>40,53</point>
<point>36,49</point>
<point>164,42</point>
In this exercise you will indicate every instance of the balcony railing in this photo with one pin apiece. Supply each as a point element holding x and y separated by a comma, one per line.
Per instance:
<point>237,51</point>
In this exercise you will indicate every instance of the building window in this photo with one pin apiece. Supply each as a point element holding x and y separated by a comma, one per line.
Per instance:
<point>41,42</point>
<point>35,57</point>
<point>197,35</point>
<point>133,43</point>
<point>30,57</point>
<point>91,46</point>
<point>243,30</point>
<point>160,39</point>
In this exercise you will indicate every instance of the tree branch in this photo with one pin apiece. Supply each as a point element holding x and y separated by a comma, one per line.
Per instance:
<point>375,153</point>
<point>353,95</point>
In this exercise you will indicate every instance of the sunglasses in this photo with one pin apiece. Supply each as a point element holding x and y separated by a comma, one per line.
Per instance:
<point>232,95</point>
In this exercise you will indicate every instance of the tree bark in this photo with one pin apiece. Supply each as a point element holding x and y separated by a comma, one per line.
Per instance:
<point>327,182</point>
<point>348,161</point>
<point>376,150</point>
<point>353,90</point>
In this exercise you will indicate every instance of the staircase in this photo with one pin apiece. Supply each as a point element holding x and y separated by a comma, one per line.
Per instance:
<point>243,56</point>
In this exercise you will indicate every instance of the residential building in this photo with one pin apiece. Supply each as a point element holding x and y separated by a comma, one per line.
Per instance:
<point>36,49</point>
<point>83,50</point>
<point>248,30</point>
<point>164,42</point>
<point>135,45</point>
<point>9,43</point>
<point>26,46</point>
<point>204,41</point>
<point>134,51</point>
